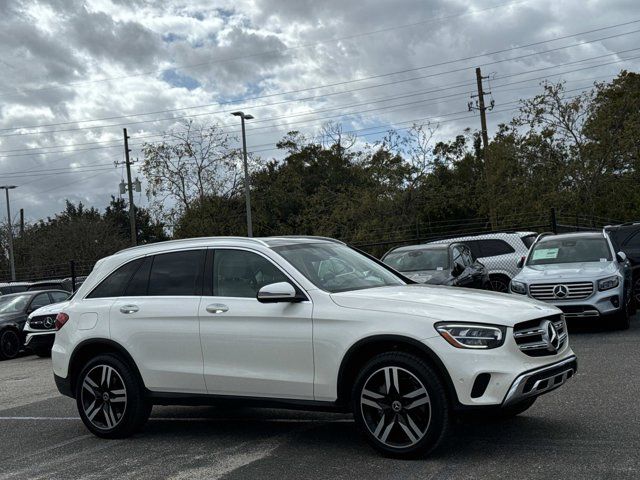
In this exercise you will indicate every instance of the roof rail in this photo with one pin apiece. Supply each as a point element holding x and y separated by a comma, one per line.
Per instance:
<point>185,240</point>
<point>311,237</point>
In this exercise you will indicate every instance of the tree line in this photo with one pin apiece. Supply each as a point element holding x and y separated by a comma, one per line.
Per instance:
<point>579,154</point>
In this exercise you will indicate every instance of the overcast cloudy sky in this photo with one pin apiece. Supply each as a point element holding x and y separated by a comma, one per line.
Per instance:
<point>382,63</point>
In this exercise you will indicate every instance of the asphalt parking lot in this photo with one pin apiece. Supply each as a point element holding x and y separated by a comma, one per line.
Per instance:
<point>590,428</point>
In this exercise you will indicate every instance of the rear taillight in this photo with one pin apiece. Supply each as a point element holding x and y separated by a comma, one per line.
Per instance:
<point>61,319</point>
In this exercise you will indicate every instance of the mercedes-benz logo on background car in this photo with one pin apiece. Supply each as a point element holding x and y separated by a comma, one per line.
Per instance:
<point>48,322</point>
<point>550,336</point>
<point>560,291</point>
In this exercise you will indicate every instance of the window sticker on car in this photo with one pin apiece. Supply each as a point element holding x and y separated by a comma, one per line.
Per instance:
<point>545,253</point>
<point>603,259</point>
<point>439,268</point>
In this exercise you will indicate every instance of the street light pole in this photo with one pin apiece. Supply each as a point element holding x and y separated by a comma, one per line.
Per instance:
<point>247,192</point>
<point>10,231</point>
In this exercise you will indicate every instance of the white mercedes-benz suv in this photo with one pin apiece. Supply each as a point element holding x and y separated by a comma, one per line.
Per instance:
<point>301,322</point>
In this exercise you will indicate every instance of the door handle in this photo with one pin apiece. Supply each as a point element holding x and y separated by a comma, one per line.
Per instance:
<point>217,308</point>
<point>129,308</point>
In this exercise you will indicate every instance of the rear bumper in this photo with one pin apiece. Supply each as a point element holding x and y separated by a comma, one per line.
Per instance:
<point>541,380</point>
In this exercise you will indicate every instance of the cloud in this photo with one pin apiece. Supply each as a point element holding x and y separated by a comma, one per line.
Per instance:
<point>57,54</point>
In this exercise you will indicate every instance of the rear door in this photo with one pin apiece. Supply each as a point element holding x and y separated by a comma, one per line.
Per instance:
<point>156,320</point>
<point>252,348</point>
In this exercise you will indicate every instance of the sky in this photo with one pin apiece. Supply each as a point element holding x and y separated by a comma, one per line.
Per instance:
<point>74,73</point>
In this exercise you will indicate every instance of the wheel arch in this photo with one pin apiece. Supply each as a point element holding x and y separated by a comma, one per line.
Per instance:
<point>366,348</point>
<point>93,347</point>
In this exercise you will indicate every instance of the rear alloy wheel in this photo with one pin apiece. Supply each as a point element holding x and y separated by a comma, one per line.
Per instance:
<point>499,284</point>
<point>9,344</point>
<point>400,405</point>
<point>110,398</point>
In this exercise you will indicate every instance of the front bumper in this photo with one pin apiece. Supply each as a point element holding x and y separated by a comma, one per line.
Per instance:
<point>35,340</point>
<point>541,380</point>
<point>607,302</point>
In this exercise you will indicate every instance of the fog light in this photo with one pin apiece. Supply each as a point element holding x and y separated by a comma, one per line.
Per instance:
<point>615,301</point>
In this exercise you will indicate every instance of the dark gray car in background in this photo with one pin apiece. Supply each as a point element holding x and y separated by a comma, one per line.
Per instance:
<point>439,264</point>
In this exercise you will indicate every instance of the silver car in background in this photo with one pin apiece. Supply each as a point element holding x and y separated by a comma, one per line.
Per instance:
<point>581,274</point>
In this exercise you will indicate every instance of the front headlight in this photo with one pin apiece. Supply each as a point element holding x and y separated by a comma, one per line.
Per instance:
<point>608,283</point>
<point>518,287</point>
<point>462,335</point>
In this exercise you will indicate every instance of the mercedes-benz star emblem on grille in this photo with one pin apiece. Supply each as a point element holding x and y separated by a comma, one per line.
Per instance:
<point>560,291</point>
<point>550,336</point>
<point>48,322</point>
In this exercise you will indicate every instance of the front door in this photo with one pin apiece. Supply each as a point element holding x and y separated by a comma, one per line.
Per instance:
<point>252,348</point>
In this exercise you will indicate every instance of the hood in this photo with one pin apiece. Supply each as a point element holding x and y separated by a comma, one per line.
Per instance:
<point>53,308</point>
<point>440,303</point>
<point>434,277</point>
<point>568,271</point>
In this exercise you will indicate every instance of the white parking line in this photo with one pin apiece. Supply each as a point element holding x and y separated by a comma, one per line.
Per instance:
<point>192,419</point>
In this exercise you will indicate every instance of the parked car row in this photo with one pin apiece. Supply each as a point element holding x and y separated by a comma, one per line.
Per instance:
<point>59,283</point>
<point>23,323</point>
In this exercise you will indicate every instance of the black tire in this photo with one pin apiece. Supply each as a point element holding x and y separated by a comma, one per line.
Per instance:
<point>499,283</point>
<point>517,408</point>
<point>110,398</point>
<point>420,417</point>
<point>9,344</point>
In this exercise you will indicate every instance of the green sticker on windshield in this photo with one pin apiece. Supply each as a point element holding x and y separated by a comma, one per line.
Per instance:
<point>545,253</point>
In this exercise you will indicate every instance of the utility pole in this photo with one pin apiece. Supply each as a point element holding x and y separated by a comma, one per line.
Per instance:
<point>132,212</point>
<point>247,191</point>
<point>21,222</point>
<point>488,167</point>
<point>10,232</point>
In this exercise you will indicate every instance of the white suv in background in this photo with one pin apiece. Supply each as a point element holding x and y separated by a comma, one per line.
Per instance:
<point>303,322</point>
<point>499,252</point>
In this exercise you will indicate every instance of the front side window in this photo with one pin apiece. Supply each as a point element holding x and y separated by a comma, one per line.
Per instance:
<point>570,250</point>
<point>40,300</point>
<point>357,270</point>
<point>458,260</point>
<point>177,274</point>
<point>239,273</point>
<point>418,260</point>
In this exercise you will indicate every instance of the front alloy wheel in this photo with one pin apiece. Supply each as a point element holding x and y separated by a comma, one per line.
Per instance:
<point>400,405</point>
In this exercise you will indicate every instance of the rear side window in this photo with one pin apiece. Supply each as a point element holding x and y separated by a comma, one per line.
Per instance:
<point>492,248</point>
<point>139,282</point>
<point>114,284</point>
<point>40,301</point>
<point>474,246</point>
<point>177,273</point>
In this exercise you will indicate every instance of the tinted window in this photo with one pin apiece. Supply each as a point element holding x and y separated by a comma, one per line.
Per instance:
<point>177,273</point>
<point>491,248</point>
<point>238,273</point>
<point>139,282</point>
<point>634,241</point>
<point>59,296</point>
<point>474,246</point>
<point>114,284</point>
<point>40,300</point>
<point>528,240</point>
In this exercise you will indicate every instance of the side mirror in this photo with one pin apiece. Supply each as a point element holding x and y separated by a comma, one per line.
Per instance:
<point>520,262</point>
<point>278,292</point>
<point>621,257</point>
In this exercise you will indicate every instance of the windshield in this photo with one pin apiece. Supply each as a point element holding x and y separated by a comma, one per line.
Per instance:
<point>337,268</point>
<point>570,250</point>
<point>416,260</point>
<point>13,303</point>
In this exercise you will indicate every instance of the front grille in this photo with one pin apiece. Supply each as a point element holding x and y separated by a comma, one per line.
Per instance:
<point>534,339</point>
<point>43,322</point>
<point>555,291</point>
